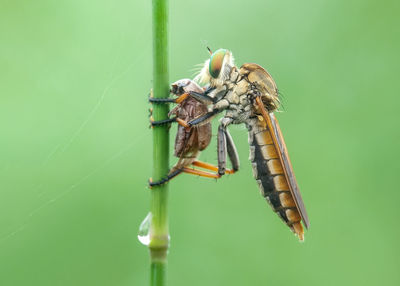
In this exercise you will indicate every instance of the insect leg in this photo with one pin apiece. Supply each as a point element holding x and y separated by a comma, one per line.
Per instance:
<point>165,101</point>
<point>226,145</point>
<point>202,97</point>
<point>232,152</point>
<point>200,173</point>
<point>208,90</point>
<point>203,118</point>
<point>161,100</point>
<point>178,100</point>
<point>190,171</point>
<point>169,120</point>
<point>170,176</point>
<point>210,167</point>
<point>221,147</point>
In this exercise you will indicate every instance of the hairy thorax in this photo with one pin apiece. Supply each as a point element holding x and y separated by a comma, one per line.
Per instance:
<point>236,95</point>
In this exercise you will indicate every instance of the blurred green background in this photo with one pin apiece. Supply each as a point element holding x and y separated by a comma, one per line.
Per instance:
<point>75,146</point>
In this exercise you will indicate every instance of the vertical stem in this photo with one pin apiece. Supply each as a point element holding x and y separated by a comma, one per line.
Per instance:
<point>159,237</point>
<point>158,271</point>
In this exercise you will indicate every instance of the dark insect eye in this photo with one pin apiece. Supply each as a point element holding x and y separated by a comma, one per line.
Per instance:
<point>216,60</point>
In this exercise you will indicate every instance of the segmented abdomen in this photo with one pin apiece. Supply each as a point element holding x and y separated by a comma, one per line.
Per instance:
<point>270,176</point>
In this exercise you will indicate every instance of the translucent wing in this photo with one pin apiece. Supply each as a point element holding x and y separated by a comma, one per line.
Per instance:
<point>280,145</point>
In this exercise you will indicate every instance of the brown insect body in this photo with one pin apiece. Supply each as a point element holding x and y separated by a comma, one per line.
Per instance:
<point>189,141</point>
<point>249,95</point>
<point>270,176</point>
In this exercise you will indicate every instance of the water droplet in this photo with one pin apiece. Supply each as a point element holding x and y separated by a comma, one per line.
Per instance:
<point>144,230</point>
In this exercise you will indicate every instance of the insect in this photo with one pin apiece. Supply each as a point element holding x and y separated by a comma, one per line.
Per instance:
<point>190,141</point>
<point>249,95</point>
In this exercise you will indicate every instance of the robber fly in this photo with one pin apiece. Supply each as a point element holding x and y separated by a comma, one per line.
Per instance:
<point>249,95</point>
<point>190,141</point>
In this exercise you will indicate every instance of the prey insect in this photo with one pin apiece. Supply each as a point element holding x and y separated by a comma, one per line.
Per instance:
<point>190,141</point>
<point>249,95</point>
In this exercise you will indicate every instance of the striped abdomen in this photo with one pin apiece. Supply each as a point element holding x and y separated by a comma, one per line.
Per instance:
<point>270,176</point>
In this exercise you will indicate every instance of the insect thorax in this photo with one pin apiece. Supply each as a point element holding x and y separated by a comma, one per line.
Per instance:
<point>237,95</point>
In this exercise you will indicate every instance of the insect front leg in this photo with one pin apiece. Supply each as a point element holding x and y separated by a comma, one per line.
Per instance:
<point>214,110</point>
<point>203,118</point>
<point>168,120</point>
<point>204,97</point>
<point>177,100</point>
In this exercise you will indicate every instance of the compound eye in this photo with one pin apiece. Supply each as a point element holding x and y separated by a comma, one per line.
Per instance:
<point>216,60</point>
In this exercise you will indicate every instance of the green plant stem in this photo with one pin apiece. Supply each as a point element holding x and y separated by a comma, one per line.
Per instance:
<point>158,271</point>
<point>159,236</point>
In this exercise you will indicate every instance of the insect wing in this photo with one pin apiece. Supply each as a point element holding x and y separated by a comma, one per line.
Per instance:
<point>279,143</point>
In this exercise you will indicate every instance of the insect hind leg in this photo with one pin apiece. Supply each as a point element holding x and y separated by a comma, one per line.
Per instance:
<point>200,173</point>
<point>211,167</point>
<point>186,170</point>
<point>169,177</point>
